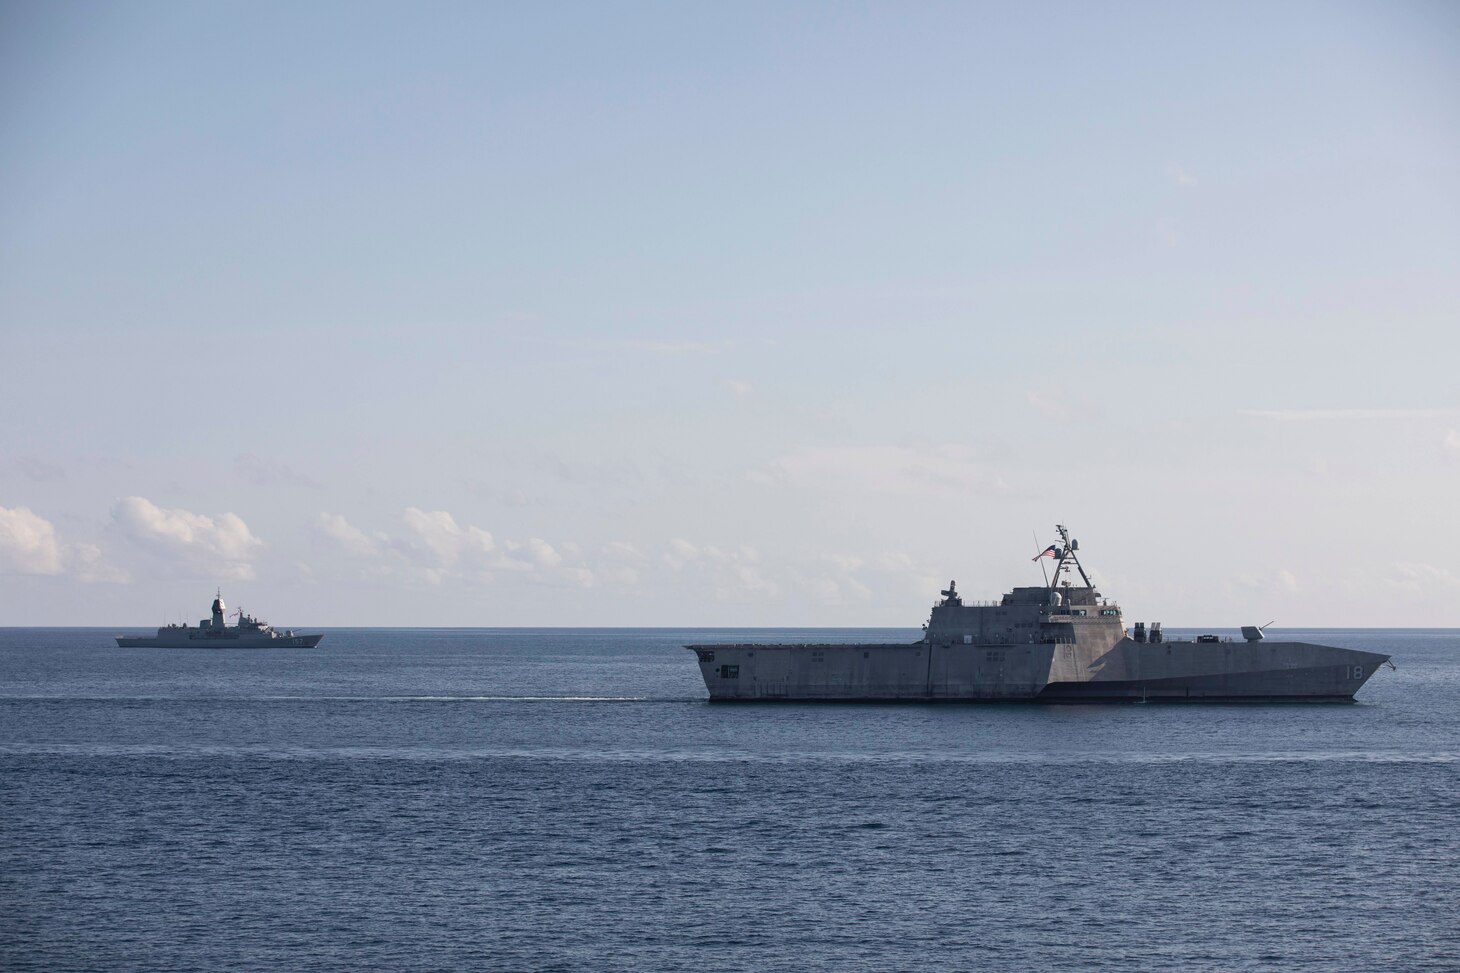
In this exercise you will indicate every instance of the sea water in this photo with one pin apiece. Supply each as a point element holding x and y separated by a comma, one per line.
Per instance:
<point>567,799</point>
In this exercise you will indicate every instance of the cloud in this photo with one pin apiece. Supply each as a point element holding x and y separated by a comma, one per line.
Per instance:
<point>268,472</point>
<point>535,552</point>
<point>831,590</point>
<point>28,543</point>
<point>737,388</point>
<point>1419,580</point>
<point>90,565</point>
<point>437,548</point>
<point>622,563</point>
<point>349,537</point>
<point>732,573</point>
<point>840,579</point>
<point>940,471</point>
<point>221,546</point>
<point>1451,442</point>
<point>1183,178</point>
<point>542,553</point>
<point>622,551</point>
<point>742,581</point>
<point>441,543</point>
<point>680,553</point>
<point>1328,415</point>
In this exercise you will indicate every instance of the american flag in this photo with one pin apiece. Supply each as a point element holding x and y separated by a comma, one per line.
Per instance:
<point>1050,551</point>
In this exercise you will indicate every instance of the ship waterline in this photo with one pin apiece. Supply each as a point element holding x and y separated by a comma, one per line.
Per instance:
<point>920,671</point>
<point>1062,642</point>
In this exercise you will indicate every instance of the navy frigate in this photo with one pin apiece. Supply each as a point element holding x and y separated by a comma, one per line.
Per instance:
<point>216,633</point>
<point>1059,642</point>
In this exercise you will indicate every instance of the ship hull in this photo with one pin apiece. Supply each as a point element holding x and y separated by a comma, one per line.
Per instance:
<point>201,642</point>
<point>1125,671</point>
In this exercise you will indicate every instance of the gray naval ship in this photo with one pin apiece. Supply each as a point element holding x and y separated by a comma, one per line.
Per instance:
<point>1060,642</point>
<point>215,633</point>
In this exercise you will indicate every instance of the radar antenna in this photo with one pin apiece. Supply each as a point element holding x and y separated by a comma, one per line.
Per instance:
<point>1066,556</point>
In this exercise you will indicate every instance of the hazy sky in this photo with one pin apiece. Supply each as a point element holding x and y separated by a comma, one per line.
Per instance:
<point>681,314</point>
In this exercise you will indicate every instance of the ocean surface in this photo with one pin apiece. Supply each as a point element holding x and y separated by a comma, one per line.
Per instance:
<point>566,799</point>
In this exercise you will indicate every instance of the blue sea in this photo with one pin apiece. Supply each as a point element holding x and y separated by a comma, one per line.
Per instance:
<point>567,799</point>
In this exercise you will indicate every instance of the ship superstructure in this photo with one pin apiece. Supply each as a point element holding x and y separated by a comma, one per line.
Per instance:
<point>1061,641</point>
<point>216,633</point>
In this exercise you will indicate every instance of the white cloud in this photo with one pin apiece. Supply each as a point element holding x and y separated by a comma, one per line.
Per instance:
<point>622,563</point>
<point>349,537</point>
<point>622,551</point>
<point>731,572</point>
<point>90,565</point>
<point>221,546</point>
<point>1451,442</point>
<point>437,548</point>
<point>28,543</point>
<point>829,590</point>
<point>535,552</point>
<point>447,541</point>
<point>1324,415</point>
<point>738,388</point>
<point>680,553</point>
<point>582,577</point>
<point>1420,580</point>
<point>1183,178</point>
<point>742,581</point>
<point>542,553</point>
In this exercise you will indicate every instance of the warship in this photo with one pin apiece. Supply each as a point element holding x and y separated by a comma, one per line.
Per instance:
<point>1058,642</point>
<point>215,633</point>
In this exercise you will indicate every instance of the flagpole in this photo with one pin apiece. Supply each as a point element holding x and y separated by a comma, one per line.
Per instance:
<point>1040,558</point>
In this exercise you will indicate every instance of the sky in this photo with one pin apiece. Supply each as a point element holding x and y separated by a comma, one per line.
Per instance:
<point>743,314</point>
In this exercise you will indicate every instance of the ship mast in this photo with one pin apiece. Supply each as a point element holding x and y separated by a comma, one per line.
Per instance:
<point>1067,556</point>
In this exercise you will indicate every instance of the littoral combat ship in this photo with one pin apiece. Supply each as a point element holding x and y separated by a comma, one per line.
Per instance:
<point>1061,642</point>
<point>214,633</point>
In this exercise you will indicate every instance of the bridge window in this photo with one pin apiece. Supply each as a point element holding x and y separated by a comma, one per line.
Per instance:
<point>729,672</point>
